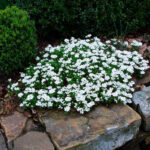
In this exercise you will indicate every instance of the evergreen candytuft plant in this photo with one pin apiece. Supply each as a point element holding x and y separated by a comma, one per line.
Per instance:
<point>17,40</point>
<point>79,74</point>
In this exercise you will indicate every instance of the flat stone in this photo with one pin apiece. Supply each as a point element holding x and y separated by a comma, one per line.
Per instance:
<point>33,141</point>
<point>101,129</point>
<point>2,143</point>
<point>141,100</point>
<point>13,125</point>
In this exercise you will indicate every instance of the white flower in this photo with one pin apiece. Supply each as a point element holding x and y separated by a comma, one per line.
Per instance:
<point>53,56</point>
<point>77,55</point>
<point>88,36</point>
<point>45,55</point>
<point>67,108</point>
<point>66,40</point>
<point>20,95</point>
<point>126,43</point>
<point>30,97</point>
<point>108,41</point>
<point>136,43</point>
<point>37,58</point>
<point>51,91</point>
<point>9,80</point>
<point>50,104</point>
<point>68,99</point>
<point>22,74</point>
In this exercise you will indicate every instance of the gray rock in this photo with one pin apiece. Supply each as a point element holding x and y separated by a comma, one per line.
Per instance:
<point>141,100</point>
<point>101,129</point>
<point>2,143</point>
<point>33,141</point>
<point>112,139</point>
<point>146,90</point>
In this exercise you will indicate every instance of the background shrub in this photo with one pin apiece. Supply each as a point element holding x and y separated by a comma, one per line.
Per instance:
<point>80,17</point>
<point>17,39</point>
<point>5,3</point>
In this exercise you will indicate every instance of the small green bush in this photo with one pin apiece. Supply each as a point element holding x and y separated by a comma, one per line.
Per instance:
<point>17,39</point>
<point>81,17</point>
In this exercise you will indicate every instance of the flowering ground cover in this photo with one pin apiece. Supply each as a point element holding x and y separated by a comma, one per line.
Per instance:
<point>79,74</point>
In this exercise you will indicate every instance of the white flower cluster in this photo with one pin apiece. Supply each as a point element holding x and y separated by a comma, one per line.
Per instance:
<point>79,74</point>
<point>136,43</point>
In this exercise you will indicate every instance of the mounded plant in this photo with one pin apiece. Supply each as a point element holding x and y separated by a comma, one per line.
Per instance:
<point>79,74</point>
<point>17,40</point>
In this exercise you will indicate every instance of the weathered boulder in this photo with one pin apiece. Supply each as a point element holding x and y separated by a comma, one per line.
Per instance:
<point>141,100</point>
<point>33,141</point>
<point>13,125</point>
<point>101,129</point>
<point>2,143</point>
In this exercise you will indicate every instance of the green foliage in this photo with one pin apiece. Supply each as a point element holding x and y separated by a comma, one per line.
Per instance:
<point>5,3</point>
<point>80,17</point>
<point>17,39</point>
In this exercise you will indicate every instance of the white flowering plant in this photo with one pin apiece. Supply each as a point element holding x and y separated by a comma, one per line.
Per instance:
<point>136,45</point>
<point>79,74</point>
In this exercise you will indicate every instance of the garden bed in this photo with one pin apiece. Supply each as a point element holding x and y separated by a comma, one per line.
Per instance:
<point>35,125</point>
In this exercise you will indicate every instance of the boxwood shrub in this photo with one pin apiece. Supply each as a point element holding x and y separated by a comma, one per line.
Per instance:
<point>80,17</point>
<point>17,39</point>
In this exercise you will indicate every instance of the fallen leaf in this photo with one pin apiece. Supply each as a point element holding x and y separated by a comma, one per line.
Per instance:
<point>7,96</point>
<point>139,87</point>
<point>1,91</point>
<point>142,86</point>
<point>33,111</point>
<point>147,140</point>
<point>148,48</point>
<point>27,114</point>
<point>130,39</point>
<point>36,119</point>
<point>143,48</point>
<point>140,38</point>
<point>7,106</point>
<point>129,46</point>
